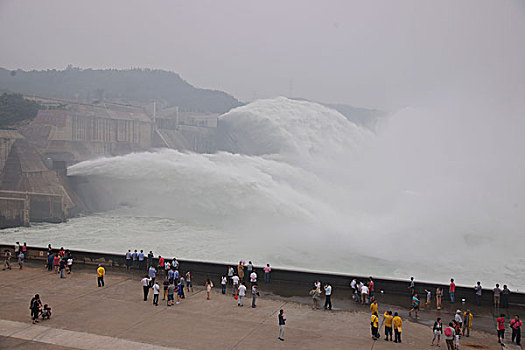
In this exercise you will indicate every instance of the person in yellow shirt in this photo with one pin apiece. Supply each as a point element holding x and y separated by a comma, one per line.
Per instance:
<point>374,323</point>
<point>388,324</point>
<point>101,272</point>
<point>373,307</point>
<point>398,322</point>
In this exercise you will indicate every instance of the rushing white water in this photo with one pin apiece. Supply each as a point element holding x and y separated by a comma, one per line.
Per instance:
<point>298,185</point>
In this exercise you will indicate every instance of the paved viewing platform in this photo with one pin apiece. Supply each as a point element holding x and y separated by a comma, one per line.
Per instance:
<point>116,317</point>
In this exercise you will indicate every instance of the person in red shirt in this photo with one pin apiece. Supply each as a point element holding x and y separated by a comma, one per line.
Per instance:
<point>501,328</point>
<point>516,324</point>
<point>371,288</point>
<point>161,264</point>
<point>452,290</point>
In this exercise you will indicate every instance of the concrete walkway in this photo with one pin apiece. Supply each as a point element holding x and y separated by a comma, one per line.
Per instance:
<point>115,316</point>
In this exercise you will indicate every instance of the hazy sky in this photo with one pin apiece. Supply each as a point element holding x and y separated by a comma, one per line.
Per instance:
<point>384,54</point>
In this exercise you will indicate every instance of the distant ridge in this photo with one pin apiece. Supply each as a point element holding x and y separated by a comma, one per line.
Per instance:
<point>134,84</point>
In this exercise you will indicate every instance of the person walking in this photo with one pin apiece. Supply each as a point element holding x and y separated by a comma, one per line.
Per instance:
<point>231,272</point>
<point>501,328</point>
<point>189,283</point>
<point>437,330</point>
<point>165,284</point>
<point>478,291</point>
<point>267,271</point>
<point>497,294</point>
<point>69,264</point>
<point>253,277</point>
<point>224,280</point>
<point>152,273</point>
<point>35,306</point>
<point>7,258</point>
<point>255,294</point>
<point>180,291</point>
<point>282,322</point>
<point>516,325</point>
<point>145,282</point>
<point>452,291</point>
<point>209,286</point>
<point>235,288</point>
<point>101,272</point>
<point>449,336</point>
<point>458,319</point>
<point>374,325</point>
<point>388,324</point>
<point>17,249</point>
<point>128,259</point>
<point>241,295</point>
<point>21,258</point>
<point>156,292</point>
<point>467,322</point>
<point>328,297</point>
<point>398,324</point>
<point>415,306</point>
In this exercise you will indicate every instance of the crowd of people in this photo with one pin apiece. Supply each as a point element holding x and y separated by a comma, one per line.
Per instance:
<point>243,279</point>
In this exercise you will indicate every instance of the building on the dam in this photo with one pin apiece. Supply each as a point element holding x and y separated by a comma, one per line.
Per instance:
<point>33,160</point>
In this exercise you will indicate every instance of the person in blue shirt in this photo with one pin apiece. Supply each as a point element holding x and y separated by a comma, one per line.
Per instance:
<point>141,259</point>
<point>152,274</point>
<point>415,306</point>
<point>171,276</point>
<point>282,321</point>
<point>135,256</point>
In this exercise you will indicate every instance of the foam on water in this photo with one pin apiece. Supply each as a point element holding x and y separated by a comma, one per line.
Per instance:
<point>299,185</point>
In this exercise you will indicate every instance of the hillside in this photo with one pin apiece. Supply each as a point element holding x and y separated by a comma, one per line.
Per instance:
<point>134,84</point>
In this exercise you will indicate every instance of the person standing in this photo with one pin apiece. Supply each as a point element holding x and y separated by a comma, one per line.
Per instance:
<point>501,328</point>
<point>101,272</point>
<point>180,289</point>
<point>452,291</point>
<point>152,273</point>
<point>439,297</point>
<point>128,259</point>
<point>467,322</point>
<point>231,272</point>
<point>253,277</point>
<point>282,322</point>
<point>62,268</point>
<point>171,293</point>
<point>371,288</point>
<point>458,319</point>
<point>161,263</point>
<point>478,291</point>
<point>255,294</point>
<point>69,264</point>
<point>429,296</point>
<point>209,286</point>
<point>267,271</point>
<point>437,329</point>
<point>328,297</point>
<point>224,280</point>
<point>35,306</point>
<point>156,292</point>
<point>181,281</point>
<point>135,257</point>
<point>24,250</point>
<point>315,293</point>
<point>364,293</point>
<point>497,293</point>
<point>145,282</point>
<point>17,249</point>
<point>50,259</point>
<point>398,324</point>
<point>150,258</point>
<point>516,325</point>
<point>241,295</point>
<point>412,286</point>
<point>450,334</point>
<point>165,284</point>
<point>374,325</point>
<point>240,271</point>
<point>141,259</point>
<point>56,262</point>
<point>189,283</point>
<point>505,296</point>
<point>388,324</point>
<point>373,307</point>
<point>249,269</point>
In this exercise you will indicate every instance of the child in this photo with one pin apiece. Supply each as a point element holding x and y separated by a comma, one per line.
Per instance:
<point>46,313</point>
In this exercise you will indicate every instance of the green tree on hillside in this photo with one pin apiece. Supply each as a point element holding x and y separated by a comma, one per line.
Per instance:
<point>14,109</point>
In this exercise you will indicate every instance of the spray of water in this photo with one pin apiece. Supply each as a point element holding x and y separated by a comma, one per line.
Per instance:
<point>434,191</point>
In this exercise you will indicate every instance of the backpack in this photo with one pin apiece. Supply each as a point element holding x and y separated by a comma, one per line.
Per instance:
<point>448,332</point>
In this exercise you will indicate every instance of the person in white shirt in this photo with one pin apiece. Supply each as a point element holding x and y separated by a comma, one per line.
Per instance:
<point>364,294</point>
<point>224,280</point>
<point>328,297</point>
<point>231,272</point>
<point>255,294</point>
<point>253,278</point>
<point>69,265</point>
<point>235,281</point>
<point>156,291</point>
<point>242,294</point>
<point>145,286</point>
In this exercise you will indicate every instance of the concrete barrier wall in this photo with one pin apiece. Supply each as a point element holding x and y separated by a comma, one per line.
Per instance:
<point>284,282</point>
<point>13,212</point>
